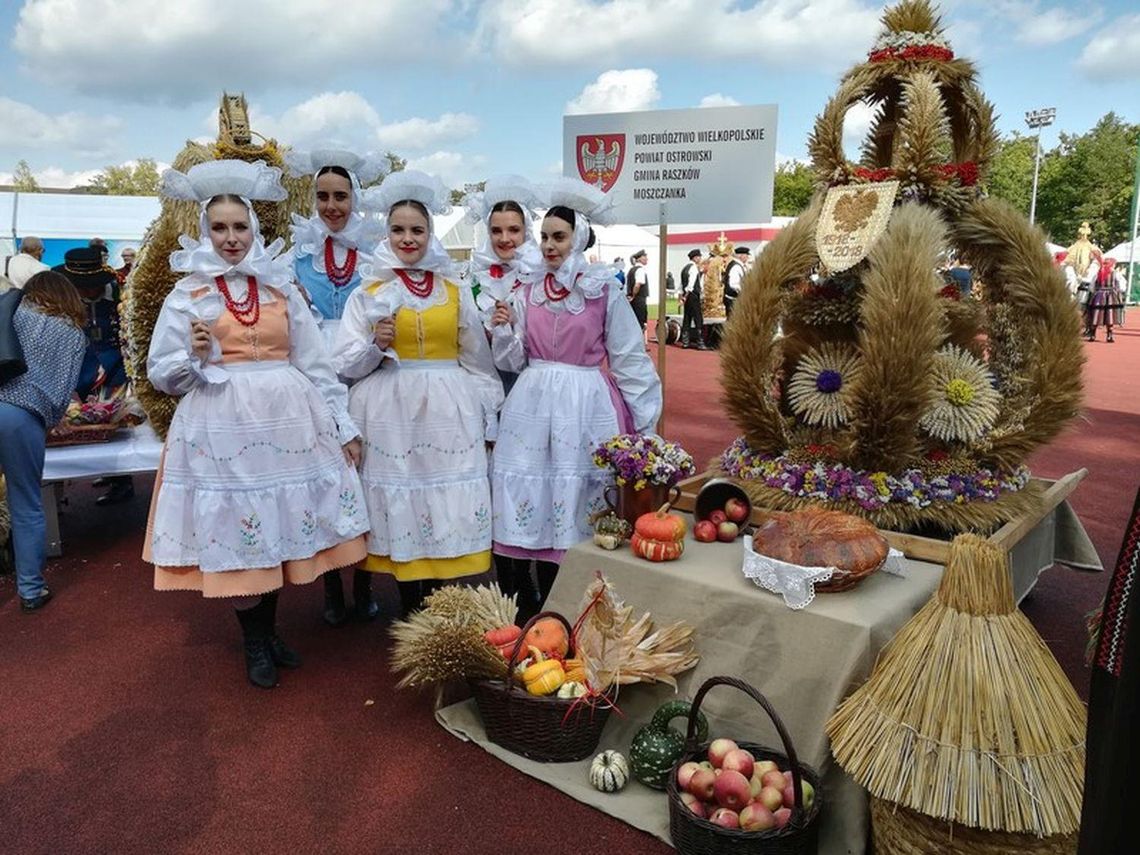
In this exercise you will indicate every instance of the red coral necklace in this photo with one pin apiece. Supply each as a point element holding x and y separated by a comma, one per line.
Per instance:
<point>554,292</point>
<point>248,311</point>
<point>339,276</point>
<point>420,289</point>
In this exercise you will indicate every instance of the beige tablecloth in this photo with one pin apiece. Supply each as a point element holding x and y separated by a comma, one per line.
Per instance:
<point>805,662</point>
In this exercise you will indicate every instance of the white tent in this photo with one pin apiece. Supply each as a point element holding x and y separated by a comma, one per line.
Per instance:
<point>1120,252</point>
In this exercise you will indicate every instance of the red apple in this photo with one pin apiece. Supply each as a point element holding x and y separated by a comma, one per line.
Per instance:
<point>726,532</point>
<point>701,784</point>
<point>736,510</point>
<point>685,773</point>
<point>764,766</point>
<point>739,761</point>
<point>755,784</point>
<point>705,531</point>
<point>718,749</point>
<point>717,517</point>
<point>705,764</point>
<point>732,790</point>
<point>756,817</point>
<point>774,779</point>
<point>694,804</point>
<point>771,798</point>
<point>725,818</point>
<point>782,817</point>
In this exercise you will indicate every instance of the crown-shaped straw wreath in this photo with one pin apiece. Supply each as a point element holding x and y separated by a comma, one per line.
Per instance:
<point>893,393</point>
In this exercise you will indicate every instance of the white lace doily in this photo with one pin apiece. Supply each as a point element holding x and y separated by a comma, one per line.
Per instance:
<point>794,583</point>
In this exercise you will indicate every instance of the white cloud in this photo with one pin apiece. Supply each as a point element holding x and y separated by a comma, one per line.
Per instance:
<point>453,168</point>
<point>618,92</point>
<point>1034,25</point>
<point>718,100</point>
<point>175,52</point>
<point>1114,52</point>
<point>25,129</point>
<point>589,32</point>
<point>856,124</point>
<point>333,118</point>
<point>348,119</point>
<point>418,134</point>
<point>1051,26</point>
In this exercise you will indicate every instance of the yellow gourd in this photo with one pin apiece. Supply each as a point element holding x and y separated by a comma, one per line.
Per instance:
<point>544,677</point>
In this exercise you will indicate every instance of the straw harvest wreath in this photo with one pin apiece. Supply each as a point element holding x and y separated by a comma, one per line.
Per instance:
<point>892,394</point>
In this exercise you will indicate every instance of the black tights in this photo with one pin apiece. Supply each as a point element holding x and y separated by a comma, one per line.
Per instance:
<point>412,594</point>
<point>515,579</point>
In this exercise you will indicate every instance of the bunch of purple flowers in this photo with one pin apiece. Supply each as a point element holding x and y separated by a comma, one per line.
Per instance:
<point>644,460</point>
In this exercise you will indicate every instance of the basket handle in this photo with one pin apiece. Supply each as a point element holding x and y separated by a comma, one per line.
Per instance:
<point>522,640</point>
<point>789,748</point>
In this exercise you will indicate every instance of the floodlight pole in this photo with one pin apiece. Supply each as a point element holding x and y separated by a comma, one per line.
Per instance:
<point>1037,119</point>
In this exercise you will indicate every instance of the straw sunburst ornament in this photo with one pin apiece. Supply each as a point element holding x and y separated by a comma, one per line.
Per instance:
<point>966,403</point>
<point>823,385</point>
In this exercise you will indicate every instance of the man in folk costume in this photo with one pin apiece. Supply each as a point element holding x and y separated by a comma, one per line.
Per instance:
<point>734,276</point>
<point>1112,788</point>
<point>692,321</point>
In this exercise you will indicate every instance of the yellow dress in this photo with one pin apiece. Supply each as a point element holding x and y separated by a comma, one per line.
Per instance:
<point>425,418</point>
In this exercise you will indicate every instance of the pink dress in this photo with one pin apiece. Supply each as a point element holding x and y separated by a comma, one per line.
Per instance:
<point>585,377</point>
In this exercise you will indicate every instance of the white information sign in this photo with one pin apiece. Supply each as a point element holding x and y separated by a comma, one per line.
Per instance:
<point>708,165</point>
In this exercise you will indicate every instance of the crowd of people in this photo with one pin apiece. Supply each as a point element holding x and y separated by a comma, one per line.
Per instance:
<point>357,401</point>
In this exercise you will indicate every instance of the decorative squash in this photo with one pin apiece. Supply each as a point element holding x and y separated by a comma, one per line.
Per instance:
<point>543,678</point>
<point>549,635</point>
<point>656,550</point>
<point>609,772</point>
<point>661,525</point>
<point>611,531</point>
<point>657,746</point>
<point>571,689</point>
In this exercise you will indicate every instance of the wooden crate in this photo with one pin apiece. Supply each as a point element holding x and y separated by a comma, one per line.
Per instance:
<point>923,548</point>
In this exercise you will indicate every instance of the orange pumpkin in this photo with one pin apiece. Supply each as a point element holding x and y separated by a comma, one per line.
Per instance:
<point>656,550</point>
<point>661,525</point>
<point>549,635</point>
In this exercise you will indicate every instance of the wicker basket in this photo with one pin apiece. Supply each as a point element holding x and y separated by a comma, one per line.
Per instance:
<point>843,580</point>
<point>82,434</point>
<point>901,831</point>
<point>546,729</point>
<point>695,836</point>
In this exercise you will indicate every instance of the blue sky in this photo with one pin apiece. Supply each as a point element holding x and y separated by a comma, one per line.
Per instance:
<point>469,89</point>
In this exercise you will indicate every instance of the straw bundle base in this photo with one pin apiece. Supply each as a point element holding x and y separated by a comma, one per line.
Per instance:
<point>900,831</point>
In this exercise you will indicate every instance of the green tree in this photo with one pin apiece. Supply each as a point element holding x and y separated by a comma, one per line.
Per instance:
<point>794,186</point>
<point>1089,177</point>
<point>22,179</point>
<point>142,179</point>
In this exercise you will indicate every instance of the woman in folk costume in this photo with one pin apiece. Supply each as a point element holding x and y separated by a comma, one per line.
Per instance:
<point>587,377</point>
<point>1106,302</point>
<point>505,207</point>
<point>256,486</point>
<point>427,397</point>
<point>327,250</point>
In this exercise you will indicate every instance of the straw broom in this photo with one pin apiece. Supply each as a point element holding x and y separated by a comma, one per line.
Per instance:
<point>967,716</point>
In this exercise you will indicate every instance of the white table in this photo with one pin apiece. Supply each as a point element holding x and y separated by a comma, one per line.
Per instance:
<point>136,451</point>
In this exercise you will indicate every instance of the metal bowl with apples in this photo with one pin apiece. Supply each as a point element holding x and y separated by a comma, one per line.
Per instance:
<point>722,510</point>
